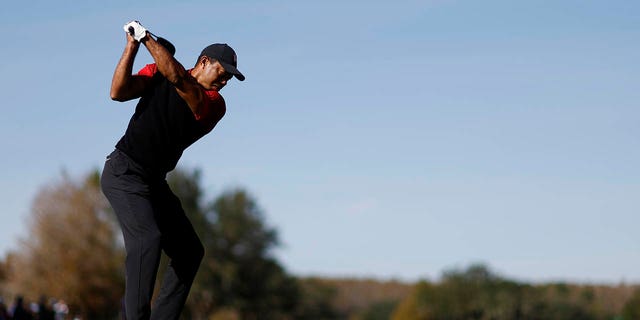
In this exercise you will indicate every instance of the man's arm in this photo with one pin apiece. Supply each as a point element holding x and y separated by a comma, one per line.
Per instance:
<point>186,85</point>
<point>124,85</point>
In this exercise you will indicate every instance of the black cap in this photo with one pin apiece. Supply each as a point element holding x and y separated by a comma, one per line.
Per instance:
<point>226,56</point>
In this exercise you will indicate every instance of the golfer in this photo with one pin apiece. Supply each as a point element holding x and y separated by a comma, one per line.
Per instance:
<point>176,108</point>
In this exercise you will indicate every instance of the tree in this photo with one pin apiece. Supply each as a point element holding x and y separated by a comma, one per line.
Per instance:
<point>4,273</point>
<point>72,251</point>
<point>379,310</point>
<point>316,298</point>
<point>238,271</point>
<point>631,309</point>
<point>477,293</point>
<point>413,307</point>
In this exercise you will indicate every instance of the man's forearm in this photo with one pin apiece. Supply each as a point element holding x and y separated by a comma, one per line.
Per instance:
<point>167,65</point>
<point>174,72</point>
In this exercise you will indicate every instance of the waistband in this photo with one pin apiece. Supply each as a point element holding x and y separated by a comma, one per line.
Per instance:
<point>137,168</point>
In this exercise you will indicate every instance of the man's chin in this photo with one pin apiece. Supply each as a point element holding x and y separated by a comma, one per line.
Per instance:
<point>215,88</point>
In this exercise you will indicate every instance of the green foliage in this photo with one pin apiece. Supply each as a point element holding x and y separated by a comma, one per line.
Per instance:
<point>379,311</point>
<point>238,223</point>
<point>238,272</point>
<point>315,300</point>
<point>414,306</point>
<point>631,309</point>
<point>244,274</point>
<point>73,252</point>
<point>477,293</point>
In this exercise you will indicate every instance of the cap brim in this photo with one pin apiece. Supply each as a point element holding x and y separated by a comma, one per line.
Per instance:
<point>232,70</point>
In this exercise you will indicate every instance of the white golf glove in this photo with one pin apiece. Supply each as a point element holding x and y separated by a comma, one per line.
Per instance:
<point>136,30</point>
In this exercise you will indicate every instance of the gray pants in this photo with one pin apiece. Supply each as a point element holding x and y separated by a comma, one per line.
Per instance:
<point>152,219</point>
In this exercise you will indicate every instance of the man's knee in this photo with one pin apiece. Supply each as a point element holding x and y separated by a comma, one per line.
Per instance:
<point>199,252</point>
<point>196,254</point>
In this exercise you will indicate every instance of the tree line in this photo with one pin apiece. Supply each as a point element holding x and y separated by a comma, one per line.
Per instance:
<point>478,293</point>
<point>74,252</point>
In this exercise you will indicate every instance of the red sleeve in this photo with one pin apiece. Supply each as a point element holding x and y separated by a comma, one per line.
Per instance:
<point>213,109</point>
<point>148,70</point>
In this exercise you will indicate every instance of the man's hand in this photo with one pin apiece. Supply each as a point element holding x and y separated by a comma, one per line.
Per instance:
<point>136,30</point>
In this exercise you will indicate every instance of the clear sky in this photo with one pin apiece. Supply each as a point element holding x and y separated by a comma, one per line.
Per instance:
<point>381,138</point>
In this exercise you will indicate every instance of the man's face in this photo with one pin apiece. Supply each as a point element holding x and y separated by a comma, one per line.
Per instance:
<point>214,77</point>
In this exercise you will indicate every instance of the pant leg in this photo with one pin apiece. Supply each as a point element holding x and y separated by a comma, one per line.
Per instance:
<point>185,251</point>
<point>130,197</point>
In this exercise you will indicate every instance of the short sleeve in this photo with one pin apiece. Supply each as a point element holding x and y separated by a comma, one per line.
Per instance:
<point>148,70</point>
<point>213,110</point>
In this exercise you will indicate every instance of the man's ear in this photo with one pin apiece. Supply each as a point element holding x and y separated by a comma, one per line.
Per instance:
<point>203,61</point>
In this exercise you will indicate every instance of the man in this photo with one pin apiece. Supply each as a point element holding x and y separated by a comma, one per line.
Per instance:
<point>176,108</point>
<point>19,311</point>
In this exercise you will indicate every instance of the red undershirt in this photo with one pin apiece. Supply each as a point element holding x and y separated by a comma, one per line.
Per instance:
<point>213,109</point>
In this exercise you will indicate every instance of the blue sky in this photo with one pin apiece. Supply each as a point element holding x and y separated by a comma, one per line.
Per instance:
<point>393,140</point>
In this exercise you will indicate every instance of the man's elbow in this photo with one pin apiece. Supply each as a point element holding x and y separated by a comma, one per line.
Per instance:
<point>117,95</point>
<point>175,78</point>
